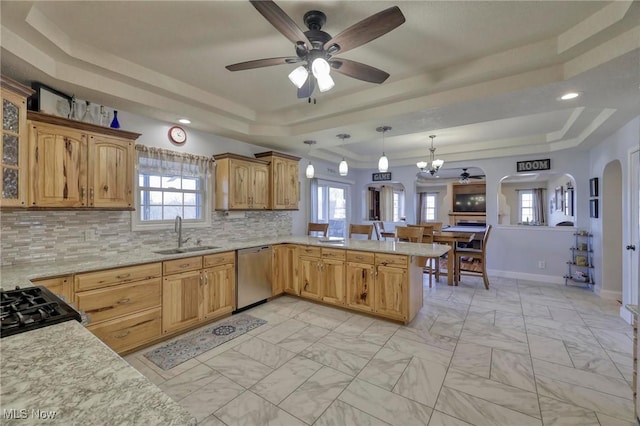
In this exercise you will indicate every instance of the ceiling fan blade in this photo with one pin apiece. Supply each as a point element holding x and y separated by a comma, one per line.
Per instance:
<point>366,30</point>
<point>358,70</point>
<point>307,89</point>
<point>280,20</point>
<point>259,63</point>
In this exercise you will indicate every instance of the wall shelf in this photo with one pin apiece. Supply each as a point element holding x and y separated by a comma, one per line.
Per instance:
<point>580,267</point>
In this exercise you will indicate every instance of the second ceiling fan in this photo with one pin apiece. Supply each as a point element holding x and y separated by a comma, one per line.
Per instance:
<point>316,49</point>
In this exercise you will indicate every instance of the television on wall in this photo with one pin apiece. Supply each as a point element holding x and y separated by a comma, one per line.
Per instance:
<point>470,203</point>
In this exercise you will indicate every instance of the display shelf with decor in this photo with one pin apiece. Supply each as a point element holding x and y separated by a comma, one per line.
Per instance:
<point>580,267</point>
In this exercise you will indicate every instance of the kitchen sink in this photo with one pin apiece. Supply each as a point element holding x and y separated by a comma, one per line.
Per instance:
<point>185,249</point>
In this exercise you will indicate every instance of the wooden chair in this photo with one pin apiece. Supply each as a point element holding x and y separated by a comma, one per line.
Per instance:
<point>432,266</point>
<point>314,228</point>
<point>412,234</point>
<point>361,230</point>
<point>474,254</point>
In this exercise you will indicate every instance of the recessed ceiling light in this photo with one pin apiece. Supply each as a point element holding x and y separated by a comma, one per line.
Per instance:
<point>570,95</point>
<point>184,121</point>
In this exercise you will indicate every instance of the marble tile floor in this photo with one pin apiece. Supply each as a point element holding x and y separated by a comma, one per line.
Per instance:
<point>521,353</point>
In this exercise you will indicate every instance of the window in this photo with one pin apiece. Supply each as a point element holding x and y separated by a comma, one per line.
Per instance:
<point>428,207</point>
<point>526,206</point>
<point>398,205</point>
<point>169,186</point>
<point>329,205</point>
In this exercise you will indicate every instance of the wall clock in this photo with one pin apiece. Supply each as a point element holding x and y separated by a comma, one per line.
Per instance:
<point>177,135</point>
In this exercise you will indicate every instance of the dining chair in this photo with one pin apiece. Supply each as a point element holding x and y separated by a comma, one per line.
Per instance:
<point>431,265</point>
<point>314,228</point>
<point>412,234</point>
<point>469,255</point>
<point>361,230</point>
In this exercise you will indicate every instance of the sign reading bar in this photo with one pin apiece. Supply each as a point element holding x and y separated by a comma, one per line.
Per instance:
<point>377,177</point>
<point>533,165</point>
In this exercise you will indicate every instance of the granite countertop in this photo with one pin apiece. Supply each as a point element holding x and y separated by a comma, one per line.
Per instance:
<point>634,309</point>
<point>20,275</point>
<point>65,369</point>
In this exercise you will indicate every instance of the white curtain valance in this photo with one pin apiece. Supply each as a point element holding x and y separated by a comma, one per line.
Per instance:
<point>167,162</point>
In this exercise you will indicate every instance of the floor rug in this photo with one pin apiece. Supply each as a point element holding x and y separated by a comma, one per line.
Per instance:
<point>186,347</point>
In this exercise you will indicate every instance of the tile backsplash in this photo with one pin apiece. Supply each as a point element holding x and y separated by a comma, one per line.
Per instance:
<point>38,236</point>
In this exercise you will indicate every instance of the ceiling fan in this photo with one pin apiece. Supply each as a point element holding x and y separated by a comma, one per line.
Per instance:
<point>316,49</point>
<point>465,176</point>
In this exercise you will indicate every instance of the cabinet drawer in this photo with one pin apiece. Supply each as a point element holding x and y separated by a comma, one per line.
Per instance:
<point>333,254</point>
<point>360,257</point>
<point>219,259</point>
<point>182,265</point>
<point>309,251</point>
<point>112,302</point>
<point>109,277</point>
<point>392,260</point>
<point>131,331</point>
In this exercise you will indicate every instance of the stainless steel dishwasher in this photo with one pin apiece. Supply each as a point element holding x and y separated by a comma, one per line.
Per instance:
<point>254,276</point>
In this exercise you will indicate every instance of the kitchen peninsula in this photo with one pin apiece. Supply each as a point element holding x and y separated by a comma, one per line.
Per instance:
<point>66,369</point>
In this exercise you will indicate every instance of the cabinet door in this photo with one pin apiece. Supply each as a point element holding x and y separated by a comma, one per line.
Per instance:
<point>309,278</point>
<point>360,286</point>
<point>219,290</point>
<point>239,182</point>
<point>278,187</point>
<point>60,286</point>
<point>260,187</point>
<point>390,292</point>
<point>292,184</point>
<point>283,270</point>
<point>13,162</point>
<point>333,281</point>
<point>110,172</point>
<point>181,300</point>
<point>58,166</point>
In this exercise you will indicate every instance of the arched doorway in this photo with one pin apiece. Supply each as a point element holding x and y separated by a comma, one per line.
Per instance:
<point>612,271</point>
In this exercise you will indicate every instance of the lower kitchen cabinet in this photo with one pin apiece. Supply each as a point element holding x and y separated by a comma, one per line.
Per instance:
<point>390,296</point>
<point>131,331</point>
<point>181,300</point>
<point>60,286</point>
<point>285,268</point>
<point>360,286</point>
<point>219,290</point>
<point>309,279</point>
<point>332,272</point>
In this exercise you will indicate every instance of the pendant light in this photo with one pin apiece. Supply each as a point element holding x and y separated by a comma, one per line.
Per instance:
<point>343,168</point>
<point>310,172</point>
<point>383,162</point>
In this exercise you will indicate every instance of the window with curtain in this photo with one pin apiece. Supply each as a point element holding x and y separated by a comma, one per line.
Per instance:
<point>171,184</point>
<point>398,205</point>
<point>428,206</point>
<point>526,206</point>
<point>329,205</point>
<point>531,206</point>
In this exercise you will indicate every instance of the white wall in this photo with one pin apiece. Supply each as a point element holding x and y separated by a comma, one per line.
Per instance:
<point>617,147</point>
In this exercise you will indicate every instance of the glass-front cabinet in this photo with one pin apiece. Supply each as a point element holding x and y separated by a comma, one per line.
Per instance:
<point>13,186</point>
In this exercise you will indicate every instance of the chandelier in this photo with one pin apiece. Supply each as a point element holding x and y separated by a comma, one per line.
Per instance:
<point>434,165</point>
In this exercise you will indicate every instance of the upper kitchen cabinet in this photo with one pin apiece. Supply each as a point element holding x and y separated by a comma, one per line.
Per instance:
<point>284,188</point>
<point>14,165</point>
<point>76,165</point>
<point>242,183</point>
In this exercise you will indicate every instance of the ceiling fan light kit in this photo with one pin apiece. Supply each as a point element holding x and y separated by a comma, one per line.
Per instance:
<point>316,48</point>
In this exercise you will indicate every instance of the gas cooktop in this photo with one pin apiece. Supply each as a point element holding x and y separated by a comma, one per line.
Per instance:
<point>30,308</point>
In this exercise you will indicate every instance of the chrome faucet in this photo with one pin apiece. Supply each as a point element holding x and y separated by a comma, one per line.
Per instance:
<point>178,228</point>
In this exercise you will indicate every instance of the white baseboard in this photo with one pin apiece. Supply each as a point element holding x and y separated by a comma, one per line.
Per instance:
<point>626,315</point>
<point>552,279</point>
<point>610,295</point>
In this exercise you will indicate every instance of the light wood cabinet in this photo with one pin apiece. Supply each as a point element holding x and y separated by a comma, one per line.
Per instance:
<point>182,300</point>
<point>14,159</point>
<point>123,305</point>
<point>242,183</point>
<point>285,270</point>
<point>333,281</point>
<point>73,165</point>
<point>360,279</point>
<point>284,187</point>
<point>390,295</point>
<point>60,286</point>
<point>310,281</point>
<point>322,274</point>
<point>192,294</point>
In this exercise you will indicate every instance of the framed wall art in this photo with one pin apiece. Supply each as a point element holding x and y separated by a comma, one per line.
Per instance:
<point>593,187</point>
<point>593,208</point>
